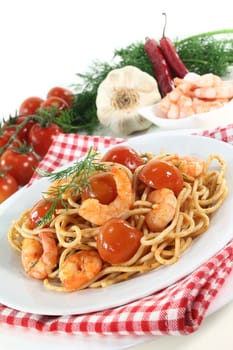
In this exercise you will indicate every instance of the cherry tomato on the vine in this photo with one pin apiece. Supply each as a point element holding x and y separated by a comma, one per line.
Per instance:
<point>102,186</point>
<point>118,241</point>
<point>38,212</point>
<point>30,105</point>
<point>41,137</point>
<point>24,132</point>
<point>22,135</point>
<point>16,143</point>
<point>8,186</point>
<point>158,174</point>
<point>20,165</point>
<point>4,138</point>
<point>55,101</point>
<point>124,155</point>
<point>64,94</point>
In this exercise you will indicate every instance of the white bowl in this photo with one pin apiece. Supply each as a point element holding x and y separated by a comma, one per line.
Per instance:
<point>217,117</point>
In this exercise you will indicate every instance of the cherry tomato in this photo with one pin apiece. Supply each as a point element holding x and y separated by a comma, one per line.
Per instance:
<point>102,186</point>
<point>118,241</point>
<point>38,212</point>
<point>24,132</point>
<point>4,138</point>
<point>158,174</point>
<point>62,93</point>
<point>8,186</point>
<point>30,105</point>
<point>20,165</point>
<point>41,137</point>
<point>22,135</point>
<point>124,155</point>
<point>16,143</point>
<point>55,101</point>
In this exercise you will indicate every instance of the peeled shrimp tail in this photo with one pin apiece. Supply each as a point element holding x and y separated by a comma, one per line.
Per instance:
<point>79,269</point>
<point>95,212</point>
<point>163,209</point>
<point>40,258</point>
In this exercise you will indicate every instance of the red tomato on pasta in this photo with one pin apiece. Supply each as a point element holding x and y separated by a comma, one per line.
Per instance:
<point>102,186</point>
<point>118,241</point>
<point>159,174</point>
<point>124,155</point>
<point>38,212</point>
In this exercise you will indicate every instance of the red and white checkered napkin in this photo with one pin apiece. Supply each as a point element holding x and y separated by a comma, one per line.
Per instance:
<point>176,310</point>
<point>69,147</point>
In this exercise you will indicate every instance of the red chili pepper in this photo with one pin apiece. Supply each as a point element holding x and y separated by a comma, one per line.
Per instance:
<point>171,55</point>
<point>161,69</point>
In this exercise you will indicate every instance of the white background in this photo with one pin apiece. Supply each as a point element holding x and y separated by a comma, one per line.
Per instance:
<point>45,43</point>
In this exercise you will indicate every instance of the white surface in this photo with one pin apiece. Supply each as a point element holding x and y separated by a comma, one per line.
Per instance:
<point>212,119</point>
<point>31,296</point>
<point>45,43</point>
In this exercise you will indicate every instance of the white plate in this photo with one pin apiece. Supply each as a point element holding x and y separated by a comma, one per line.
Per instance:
<point>22,293</point>
<point>220,116</point>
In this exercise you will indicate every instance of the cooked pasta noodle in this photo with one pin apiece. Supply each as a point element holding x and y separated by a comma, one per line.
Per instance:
<point>201,195</point>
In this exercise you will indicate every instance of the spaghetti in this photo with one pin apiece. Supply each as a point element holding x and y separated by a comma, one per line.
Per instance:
<point>63,252</point>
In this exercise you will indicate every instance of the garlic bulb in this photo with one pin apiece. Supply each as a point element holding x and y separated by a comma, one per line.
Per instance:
<point>121,94</point>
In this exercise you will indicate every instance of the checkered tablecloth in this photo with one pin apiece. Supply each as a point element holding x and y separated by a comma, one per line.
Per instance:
<point>176,310</point>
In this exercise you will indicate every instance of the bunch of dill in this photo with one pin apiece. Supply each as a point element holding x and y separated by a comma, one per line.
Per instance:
<point>210,52</point>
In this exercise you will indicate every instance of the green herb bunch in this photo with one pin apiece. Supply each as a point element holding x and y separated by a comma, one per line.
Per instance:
<point>210,52</point>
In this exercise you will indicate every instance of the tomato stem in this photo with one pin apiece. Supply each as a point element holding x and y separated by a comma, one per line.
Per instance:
<point>45,117</point>
<point>18,127</point>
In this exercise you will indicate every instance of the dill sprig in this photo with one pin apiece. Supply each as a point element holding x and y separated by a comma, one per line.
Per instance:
<point>132,54</point>
<point>209,52</point>
<point>78,173</point>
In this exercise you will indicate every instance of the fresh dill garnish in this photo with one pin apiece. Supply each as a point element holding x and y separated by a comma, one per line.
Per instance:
<point>209,52</point>
<point>78,173</point>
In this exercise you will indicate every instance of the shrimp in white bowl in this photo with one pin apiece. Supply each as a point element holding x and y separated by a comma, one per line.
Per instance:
<point>196,94</point>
